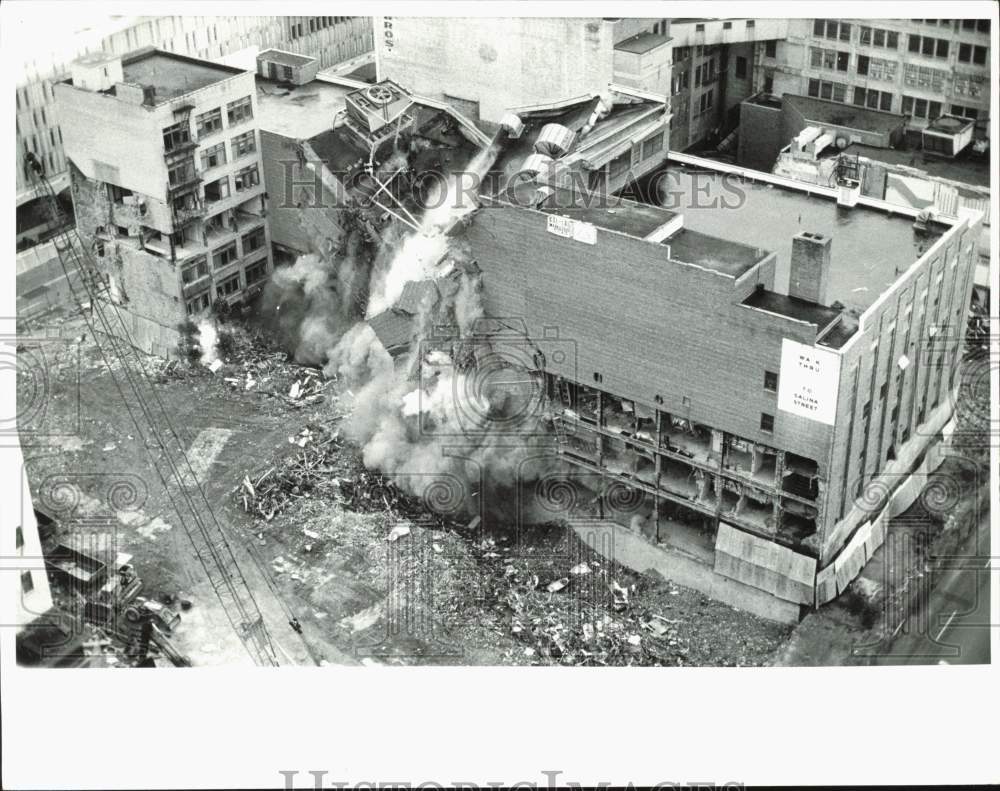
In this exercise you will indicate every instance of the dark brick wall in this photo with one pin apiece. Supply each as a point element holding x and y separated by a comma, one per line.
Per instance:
<point>809,270</point>
<point>649,327</point>
<point>761,136</point>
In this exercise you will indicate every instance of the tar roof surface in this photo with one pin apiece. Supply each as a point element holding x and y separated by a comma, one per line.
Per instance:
<point>869,250</point>
<point>849,115</point>
<point>635,219</point>
<point>285,58</point>
<point>173,75</point>
<point>300,112</point>
<point>644,42</point>
<point>711,252</point>
<point>966,168</point>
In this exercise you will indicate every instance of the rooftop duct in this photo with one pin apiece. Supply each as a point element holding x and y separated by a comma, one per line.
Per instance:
<point>554,140</point>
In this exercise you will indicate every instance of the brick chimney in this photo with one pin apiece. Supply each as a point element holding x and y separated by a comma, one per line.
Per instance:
<point>809,273</point>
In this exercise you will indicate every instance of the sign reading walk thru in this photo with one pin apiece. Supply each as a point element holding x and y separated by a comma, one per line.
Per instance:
<point>809,380</point>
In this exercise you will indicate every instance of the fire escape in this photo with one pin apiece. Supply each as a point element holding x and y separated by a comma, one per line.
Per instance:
<point>182,193</point>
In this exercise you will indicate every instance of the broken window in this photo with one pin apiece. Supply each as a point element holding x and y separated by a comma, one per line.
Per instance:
<point>256,272</point>
<point>244,144</point>
<point>213,156</point>
<point>198,304</point>
<point>224,256</point>
<point>771,381</point>
<point>239,111</point>
<point>217,190</point>
<point>253,240</point>
<point>196,269</point>
<point>176,136</point>
<point>246,178</point>
<point>228,286</point>
<point>209,123</point>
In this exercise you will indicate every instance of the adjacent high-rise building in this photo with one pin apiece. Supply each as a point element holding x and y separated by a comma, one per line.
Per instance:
<point>164,153</point>
<point>330,39</point>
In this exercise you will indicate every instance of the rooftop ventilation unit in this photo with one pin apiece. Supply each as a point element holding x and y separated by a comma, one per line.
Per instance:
<point>848,192</point>
<point>377,106</point>
<point>554,140</point>
<point>282,66</point>
<point>534,164</point>
<point>512,125</point>
<point>97,71</point>
<point>948,136</point>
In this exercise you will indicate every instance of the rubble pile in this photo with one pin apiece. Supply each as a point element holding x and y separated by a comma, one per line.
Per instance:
<point>252,366</point>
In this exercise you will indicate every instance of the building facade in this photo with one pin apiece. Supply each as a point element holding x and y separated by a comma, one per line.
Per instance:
<point>923,68</point>
<point>329,39</point>
<point>167,185</point>
<point>484,66</point>
<point>756,396</point>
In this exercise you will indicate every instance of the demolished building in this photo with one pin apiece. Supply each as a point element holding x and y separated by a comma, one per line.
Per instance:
<point>165,164</point>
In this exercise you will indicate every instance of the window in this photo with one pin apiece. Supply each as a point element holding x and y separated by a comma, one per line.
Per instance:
<point>619,165</point>
<point>751,23</point>
<point>176,136</point>
<point>214,156</point>
<point>253,240</point>
<point>27,583</point>
<point>770,48</point>
<point>181,173</point>
<point>928,46</point>
<point>831,28</point>
<point>209,123</point>
<point>964,112</point>
<point>705,102</point>
<point>19,537</point>
<point>246,178</point>
<point>198,304</point>
<point>699,28</point>
<point>979,56</point>
<point>863,62</point>
<point>244,144</point>
<point>194,270</point>
<point>239,111</point>
<point>741,67</point>
<point>771,381</point>
<point>256,272</point>
<point>768,83</point>
<point>833,91</point>
<point>652,145</point>
<point>217,190</point>
<point>873,99</point>
<point>224,255</point>
<point>727,25</point>
<point>965,53</point>
<point>921,108</point>
<point>766,422</point>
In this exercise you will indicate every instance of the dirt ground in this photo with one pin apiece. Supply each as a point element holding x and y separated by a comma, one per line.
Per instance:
<point>372,580</point>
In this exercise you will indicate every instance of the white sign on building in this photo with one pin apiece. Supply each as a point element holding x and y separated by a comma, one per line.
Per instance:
<point>572,229</point>
<point>808,381</point>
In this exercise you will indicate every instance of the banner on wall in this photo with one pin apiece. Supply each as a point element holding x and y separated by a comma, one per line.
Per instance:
<point>808,381</point>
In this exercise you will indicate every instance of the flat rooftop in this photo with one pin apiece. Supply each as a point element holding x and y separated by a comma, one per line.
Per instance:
<point>642,43</point>
<point>711,252</point>
<point>300,111</point>
<point>173,75</point>
<point>949,125</point>
<point>638,220</point>
<point>870,248</point>
<point>847,115</point>
<point>285,58</point>
<point>967,168</point>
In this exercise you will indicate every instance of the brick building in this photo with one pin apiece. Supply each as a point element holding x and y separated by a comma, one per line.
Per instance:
<point>772,369</point>
<point>166,181</point>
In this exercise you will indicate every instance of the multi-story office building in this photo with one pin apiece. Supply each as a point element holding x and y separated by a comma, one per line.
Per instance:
<point>330,39</point>
<point>164,153</point>
<point>923,68</point>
